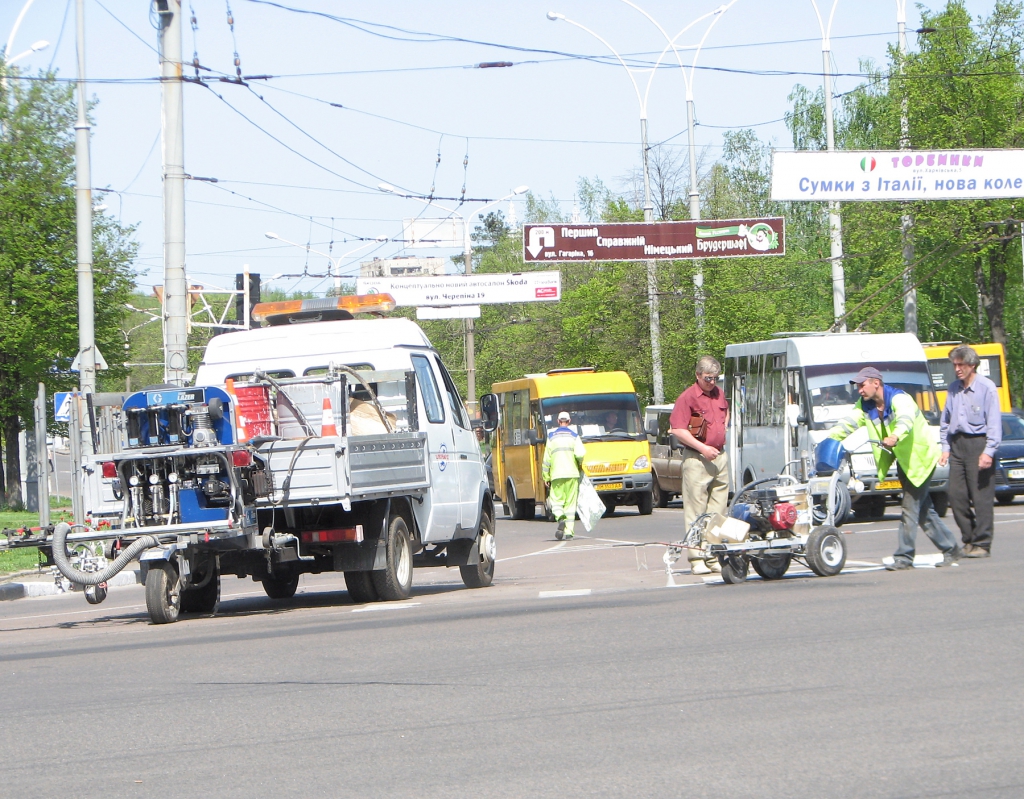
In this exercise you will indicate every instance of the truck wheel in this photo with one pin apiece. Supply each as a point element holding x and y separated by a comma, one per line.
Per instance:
<point>360,588</point>
<point>516,507</point>
<point>202,600</point>
<point>394,581</point>
<point>772,567</point>
<point>660,496</point>
<point>481,573</point>
<point>826,551</point>
<point>734,568</point>
<point>940,502</point>
<point>281,586</point>
<point>162,593</point>
<point>645,503</point>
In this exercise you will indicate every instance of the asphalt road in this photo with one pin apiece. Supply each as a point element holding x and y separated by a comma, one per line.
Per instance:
<point>578,674</point>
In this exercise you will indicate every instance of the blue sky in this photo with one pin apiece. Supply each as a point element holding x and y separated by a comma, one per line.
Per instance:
<point>543,122</point>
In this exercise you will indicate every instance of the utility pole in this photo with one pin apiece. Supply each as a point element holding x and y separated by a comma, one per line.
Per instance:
<point>83,218</point>
<point>175,309</point>
<point>907,220</point>
<point>653,309</point>
<point>698,276</point>
<point>467,259</point>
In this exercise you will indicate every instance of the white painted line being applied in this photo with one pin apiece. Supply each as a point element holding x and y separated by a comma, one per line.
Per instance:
<point>386,606</point>
<point>557,594</point>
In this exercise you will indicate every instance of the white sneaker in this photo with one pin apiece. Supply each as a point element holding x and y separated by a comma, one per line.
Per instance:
<point>699,567</point>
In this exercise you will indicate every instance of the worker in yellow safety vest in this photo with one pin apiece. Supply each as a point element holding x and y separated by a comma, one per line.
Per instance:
<point>561,470</point>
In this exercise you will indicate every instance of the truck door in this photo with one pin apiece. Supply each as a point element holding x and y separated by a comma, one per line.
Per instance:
<point>468,461</point>
<point>442,501</point>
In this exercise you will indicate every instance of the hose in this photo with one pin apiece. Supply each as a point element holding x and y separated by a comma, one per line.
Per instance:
<point>60,557</point>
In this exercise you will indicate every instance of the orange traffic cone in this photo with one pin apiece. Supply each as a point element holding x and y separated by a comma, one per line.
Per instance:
<point>327,427</point>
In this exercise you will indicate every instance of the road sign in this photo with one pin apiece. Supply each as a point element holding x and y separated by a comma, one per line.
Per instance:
<point>62,406</point>
<point>849,175</point>
<point>646,241</point>
<point>482,289</point>
<point>451,312</point>
<point>101,363</point>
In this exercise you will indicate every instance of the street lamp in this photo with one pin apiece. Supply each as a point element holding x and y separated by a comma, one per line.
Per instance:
<point>835,224</point>
<point>652,274</point>
<point>335,269</point>
<point>467,254</point>
<point>907,219</point>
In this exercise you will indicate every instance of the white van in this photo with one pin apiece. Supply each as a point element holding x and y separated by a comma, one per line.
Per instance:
<point>788,391</point>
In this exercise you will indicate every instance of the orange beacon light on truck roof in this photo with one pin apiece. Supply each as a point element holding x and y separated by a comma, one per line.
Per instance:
<point>289,311</point>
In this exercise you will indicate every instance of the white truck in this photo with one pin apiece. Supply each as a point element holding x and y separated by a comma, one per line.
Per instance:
<point>320,443</point>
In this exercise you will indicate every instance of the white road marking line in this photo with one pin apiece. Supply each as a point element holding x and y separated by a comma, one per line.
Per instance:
<point>386,606</point>
<point>557,594</point>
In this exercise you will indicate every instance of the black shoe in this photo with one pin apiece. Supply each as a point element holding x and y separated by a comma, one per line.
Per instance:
<point>899,564</point>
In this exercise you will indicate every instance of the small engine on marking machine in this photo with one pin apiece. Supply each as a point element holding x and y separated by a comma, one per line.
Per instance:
<point>765,512</point>
<point>180,465</point>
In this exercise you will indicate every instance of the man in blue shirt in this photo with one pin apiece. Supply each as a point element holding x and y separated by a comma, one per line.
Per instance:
<point>970,431</point>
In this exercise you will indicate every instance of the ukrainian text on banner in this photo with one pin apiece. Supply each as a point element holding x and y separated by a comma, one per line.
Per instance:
<point>898,175</point>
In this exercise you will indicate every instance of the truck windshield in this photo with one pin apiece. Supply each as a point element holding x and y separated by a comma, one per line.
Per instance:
<point>597,417</point>
<point>832,395</point>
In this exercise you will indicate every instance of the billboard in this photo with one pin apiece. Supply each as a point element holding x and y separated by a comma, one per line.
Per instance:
<point>485,289</point>
<point>854,175</point>
<point>646,241</point>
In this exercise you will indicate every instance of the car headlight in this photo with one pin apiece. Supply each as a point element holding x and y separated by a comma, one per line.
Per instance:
<point>641,462</point>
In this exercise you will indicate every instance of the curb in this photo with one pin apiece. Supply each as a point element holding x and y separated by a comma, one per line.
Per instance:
<point>10,591</point>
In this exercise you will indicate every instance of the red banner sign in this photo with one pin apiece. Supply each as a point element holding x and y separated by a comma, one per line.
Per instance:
<point>646,241</point>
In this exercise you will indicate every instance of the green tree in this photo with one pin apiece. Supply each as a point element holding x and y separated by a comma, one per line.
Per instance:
<point>38,280</point>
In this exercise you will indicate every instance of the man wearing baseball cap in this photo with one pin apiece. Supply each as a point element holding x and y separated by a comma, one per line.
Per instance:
<point>563,458</point>
<point>893,418</point>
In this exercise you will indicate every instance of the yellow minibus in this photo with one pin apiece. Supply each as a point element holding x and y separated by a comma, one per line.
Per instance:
<point>606,415</point>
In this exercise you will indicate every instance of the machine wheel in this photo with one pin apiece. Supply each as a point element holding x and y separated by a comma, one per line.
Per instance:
<point>826,551</point>
<point>772,567</point>
<point>940,502</point>
<point>202,600</point>
<point>659,495</point>
<point>481,573</point>
<point>394,581</point>
<point>163,600</point>
<point>734,568</point>
<point>94,594</point>
<point>281,586</point>
<point>1003,499</point>
<point>360,588</point>
<point>645,504</point>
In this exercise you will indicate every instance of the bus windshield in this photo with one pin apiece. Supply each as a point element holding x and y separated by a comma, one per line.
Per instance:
<point>597,417</point>
<point>833,396</point>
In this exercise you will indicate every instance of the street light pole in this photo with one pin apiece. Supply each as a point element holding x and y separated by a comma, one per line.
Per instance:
<point>83,225</point>
<point>694,193</point>
<point>469,329</point>
<point>835,224</point>
<point>907,219</point>
<point>176,313</point>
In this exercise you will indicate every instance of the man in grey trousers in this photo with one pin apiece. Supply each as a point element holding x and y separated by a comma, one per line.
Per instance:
<point>970,431</point>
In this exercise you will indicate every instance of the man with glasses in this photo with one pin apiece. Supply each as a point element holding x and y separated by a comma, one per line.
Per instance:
<point>970,432</point>
<point>698,421</point>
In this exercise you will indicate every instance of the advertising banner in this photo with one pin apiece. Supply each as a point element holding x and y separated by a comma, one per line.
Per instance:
<point>487,289</point>
<point>853,175</point>
<point>647,241</point>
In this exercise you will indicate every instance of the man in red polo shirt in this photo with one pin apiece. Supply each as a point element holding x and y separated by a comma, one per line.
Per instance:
<point>705,464</point>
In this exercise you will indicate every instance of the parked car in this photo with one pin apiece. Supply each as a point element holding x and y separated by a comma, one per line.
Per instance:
<point>666,455</point>
<point>1010,460</point>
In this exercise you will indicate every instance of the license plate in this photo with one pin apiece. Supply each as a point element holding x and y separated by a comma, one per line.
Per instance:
<point>887,485</point>
<point>1015,474</point>
<point>608,486</point>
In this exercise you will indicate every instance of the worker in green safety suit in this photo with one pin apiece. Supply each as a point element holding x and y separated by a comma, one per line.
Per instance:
<point>563,460</point>
<point>893,419</point>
